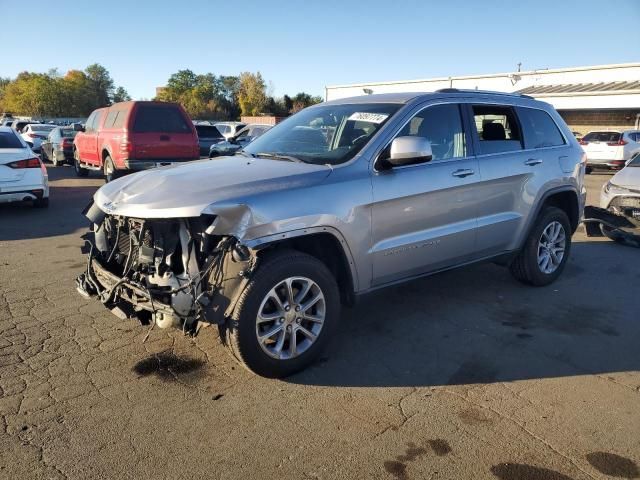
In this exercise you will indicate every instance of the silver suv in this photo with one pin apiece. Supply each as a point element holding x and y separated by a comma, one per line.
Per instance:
<point>338,200</point>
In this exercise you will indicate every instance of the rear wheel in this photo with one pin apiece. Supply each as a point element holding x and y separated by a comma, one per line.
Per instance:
<point>43,155</point>
<point>80,172</point>
<point>110,172</point>
<point>285,316</point>
<point>546,250</point>
<point>588,170</point>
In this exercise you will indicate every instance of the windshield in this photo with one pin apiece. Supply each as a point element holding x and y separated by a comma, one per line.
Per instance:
<point>330,134</point>
<point>635,161</point>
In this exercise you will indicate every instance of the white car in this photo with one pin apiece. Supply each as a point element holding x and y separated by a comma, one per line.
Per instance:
<point>22,175</point>
<point>229,129</point>
<point>35,133</point>
<point>610,150</point>
<point>621,194</point>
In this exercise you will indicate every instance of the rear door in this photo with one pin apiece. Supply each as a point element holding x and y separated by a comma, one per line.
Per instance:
<point>513,167</point>
<point>424,215</point>
<point>162,131</point>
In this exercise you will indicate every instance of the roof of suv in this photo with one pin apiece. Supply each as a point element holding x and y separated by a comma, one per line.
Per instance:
<point>406,97</point>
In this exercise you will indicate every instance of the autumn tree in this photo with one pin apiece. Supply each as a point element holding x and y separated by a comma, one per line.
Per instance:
<point>252,93</point>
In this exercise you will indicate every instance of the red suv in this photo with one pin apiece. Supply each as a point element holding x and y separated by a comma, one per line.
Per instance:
<point>132,136</point>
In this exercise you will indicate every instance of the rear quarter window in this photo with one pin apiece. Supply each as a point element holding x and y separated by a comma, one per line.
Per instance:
<point>539,128</point>
<point>159,119</point>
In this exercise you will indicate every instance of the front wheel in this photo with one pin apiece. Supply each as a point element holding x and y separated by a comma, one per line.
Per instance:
<point>546,250</point>
<point>285,316</point>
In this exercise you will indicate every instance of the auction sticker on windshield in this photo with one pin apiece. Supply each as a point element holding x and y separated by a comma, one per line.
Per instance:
<point>368,117</point>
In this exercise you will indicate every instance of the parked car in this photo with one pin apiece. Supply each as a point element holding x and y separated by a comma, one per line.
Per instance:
<point>610,150</point>
<point>621,195</point>
<point>7,123</point>
<point>239,141</point>
<point>340,199</point>
<point>18,125</point>
<point>132,136</point>
<point>229,129</point>
<point>58,147</point>
<point>22,175</point>
<point>208,135</point>
<point>35,133</point>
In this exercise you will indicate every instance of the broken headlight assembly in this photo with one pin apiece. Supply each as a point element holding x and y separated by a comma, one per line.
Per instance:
<point>172,272</point>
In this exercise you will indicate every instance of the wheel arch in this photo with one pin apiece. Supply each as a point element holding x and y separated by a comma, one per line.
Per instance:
<point>323,243</point>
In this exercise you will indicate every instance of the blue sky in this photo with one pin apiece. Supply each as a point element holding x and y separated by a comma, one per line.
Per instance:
<point>305,45</point>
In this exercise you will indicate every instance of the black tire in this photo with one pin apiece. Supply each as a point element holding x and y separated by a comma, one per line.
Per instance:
<point>41,202</point>
<point>241,333</point>
<point>80,172</point>
<point>525,266</point>
<point>109,170</point>
<point>588,170</point>
<point>43,155</point>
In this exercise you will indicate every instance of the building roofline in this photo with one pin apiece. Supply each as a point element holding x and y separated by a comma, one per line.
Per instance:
<point>491,75</point>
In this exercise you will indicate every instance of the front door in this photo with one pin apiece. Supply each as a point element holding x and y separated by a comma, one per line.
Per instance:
<point>424,215</point>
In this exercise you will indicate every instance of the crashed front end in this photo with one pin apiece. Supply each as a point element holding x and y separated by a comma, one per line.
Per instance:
<point>174,272</point>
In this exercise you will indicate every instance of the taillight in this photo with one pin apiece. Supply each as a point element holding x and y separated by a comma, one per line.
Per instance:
<point>67,142</point>
<point>32,135</point>
<point>27,163</point>
<point>617,144</point>
<point>126,147</point>
<point>582,142</point>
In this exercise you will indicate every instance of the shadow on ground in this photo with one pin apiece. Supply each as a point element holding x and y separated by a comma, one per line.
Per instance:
<point>68,196</point>
<point>478,325</point>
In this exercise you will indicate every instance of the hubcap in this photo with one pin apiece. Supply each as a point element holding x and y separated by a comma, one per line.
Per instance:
<point>551,247</point>
<point>290,318</point>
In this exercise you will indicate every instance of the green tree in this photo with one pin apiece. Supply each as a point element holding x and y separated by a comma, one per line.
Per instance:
<point>303,100</point>
<point>121,95</point>
<point>100,85</point>
<point>252,95</point>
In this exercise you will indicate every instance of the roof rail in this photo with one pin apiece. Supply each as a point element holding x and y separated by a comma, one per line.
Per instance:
<point>487,92</point>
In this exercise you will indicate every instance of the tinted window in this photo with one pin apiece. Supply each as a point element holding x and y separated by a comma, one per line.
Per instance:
<point>9,140</point>
<point>497,129</point>
<point>602,137</point>
<point>539,128</point>
<point>111,117</point>
<point>442,126</point>
<point>208,131</point>
<point>161,119</point>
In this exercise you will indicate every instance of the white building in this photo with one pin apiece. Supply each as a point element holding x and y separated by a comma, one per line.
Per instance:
<point>589,98</point>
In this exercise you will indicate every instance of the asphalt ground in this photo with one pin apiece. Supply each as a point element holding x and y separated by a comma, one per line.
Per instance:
<point>463,375</point>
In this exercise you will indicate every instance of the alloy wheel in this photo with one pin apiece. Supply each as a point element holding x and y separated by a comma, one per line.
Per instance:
<point>551,247</point>
<point>290,318</point>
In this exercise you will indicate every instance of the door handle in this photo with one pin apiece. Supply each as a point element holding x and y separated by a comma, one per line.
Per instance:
<point>463,172</point>
<point>533,161</point>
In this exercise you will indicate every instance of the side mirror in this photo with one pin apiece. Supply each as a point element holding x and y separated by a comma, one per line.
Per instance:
<point>409,150</point>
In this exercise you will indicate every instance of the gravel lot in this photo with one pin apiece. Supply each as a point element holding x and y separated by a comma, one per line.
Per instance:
<point>464,375</point>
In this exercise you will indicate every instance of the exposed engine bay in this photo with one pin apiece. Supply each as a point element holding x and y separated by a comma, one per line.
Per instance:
<point>172,272</point>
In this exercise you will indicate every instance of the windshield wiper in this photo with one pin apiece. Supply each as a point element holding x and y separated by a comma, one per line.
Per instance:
<point>278,156</point>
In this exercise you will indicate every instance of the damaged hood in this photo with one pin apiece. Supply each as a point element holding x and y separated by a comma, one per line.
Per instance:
<point>194,188</point>
<point>627,177</point>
